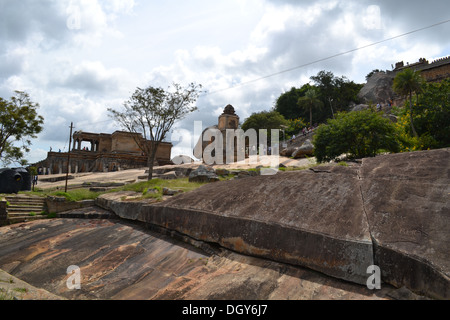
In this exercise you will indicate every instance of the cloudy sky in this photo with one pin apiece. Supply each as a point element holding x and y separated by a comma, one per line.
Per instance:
<point>77,58</point>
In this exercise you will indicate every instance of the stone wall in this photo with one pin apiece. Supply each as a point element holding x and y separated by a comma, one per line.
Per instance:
<point>61,204</point>
<point>437,74</point>
<point>88,161</point>
<point>3,212</point>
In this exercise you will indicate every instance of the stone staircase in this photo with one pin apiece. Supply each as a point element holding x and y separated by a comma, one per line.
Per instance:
<point>25,208</point>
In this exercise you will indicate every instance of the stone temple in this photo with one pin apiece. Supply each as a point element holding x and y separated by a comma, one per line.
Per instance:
<point>228,120</point>
<point>101,152</point>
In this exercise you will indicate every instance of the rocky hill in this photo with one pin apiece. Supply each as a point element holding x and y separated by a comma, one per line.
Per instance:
<point>391,211</point>
<point>251,238</point>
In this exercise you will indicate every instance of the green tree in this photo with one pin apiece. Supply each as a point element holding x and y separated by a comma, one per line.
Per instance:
<point>152,112</point>
<point>431,113</point>
<point>265,120</point>
<point>339,90</point>
<point>406,83</point>
<point>357,134</point>
<point>310,102</point>
<point>336,93</point>
<point>19,122</point>
<point>286,103</point>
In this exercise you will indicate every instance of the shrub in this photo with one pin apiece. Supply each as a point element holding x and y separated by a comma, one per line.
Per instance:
<point>431,111</point>
<point>356,134</point>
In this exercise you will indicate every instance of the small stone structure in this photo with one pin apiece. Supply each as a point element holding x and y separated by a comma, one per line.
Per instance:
<point>104,152</point>
<point>228,120</point>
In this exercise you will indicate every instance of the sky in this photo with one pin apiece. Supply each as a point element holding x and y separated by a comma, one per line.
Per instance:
<point>77,58</point>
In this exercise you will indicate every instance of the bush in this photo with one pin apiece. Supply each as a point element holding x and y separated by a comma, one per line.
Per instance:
<point>431,111</point>
<point>356,134</point>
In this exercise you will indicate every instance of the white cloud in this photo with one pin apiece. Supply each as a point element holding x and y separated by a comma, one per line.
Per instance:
<point>77,73</point>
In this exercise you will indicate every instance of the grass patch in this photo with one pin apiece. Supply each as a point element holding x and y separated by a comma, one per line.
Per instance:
<point>6,295</point>
<point>78,194</point>
<point>142,187</point>
<point>158,185</point>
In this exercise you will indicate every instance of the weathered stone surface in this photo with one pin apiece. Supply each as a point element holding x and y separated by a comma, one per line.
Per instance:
<point>170,192</point>
<point>124,261</point>
<point>246,174</point>
<point>407,203</point>
<point>329,234</point>
<point>331,218</point>
<point>125,204</point>
<point>203,174</point>
<point>60,204</point>
<point>88,212</point>
<point>378,89</point>
<point>391,211</point>
<point>307,149</point>
<point>288,151</point>
<point>12,288</point>
<point>222,172</point>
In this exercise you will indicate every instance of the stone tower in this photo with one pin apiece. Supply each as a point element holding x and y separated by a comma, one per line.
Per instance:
<point>229,119</point>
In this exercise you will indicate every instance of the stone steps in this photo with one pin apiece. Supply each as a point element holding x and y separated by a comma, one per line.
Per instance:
<point>23,208</point>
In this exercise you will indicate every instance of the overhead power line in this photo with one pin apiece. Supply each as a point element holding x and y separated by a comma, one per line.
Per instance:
<point>327,58</point>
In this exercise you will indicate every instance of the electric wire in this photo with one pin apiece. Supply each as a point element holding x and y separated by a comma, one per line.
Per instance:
<point>327,58</point>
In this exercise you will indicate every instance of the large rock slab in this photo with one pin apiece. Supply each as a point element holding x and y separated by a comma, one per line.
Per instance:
<point>406,197</point>
<point>120,260</point>
<point>391,211</point>
<point>305,218</point>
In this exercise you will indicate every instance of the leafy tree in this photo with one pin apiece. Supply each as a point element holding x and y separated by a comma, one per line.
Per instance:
<point>310,102</point>
<point>406,83</point>
<point>19,122</point>
<point>431,112</point>
<point>295,126</point>
<point>152,112</point>
<point>265,120</point>
<point>286,103</point>
<point>339,90</point>
<point>358,134</point>
<point>336,93</point>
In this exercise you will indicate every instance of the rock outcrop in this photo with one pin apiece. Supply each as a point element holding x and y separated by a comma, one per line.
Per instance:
<point>120,260</point>
<point>378,89</point>
<point>203,174</point>
<point>307,149</point>
<point>391,211</point>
